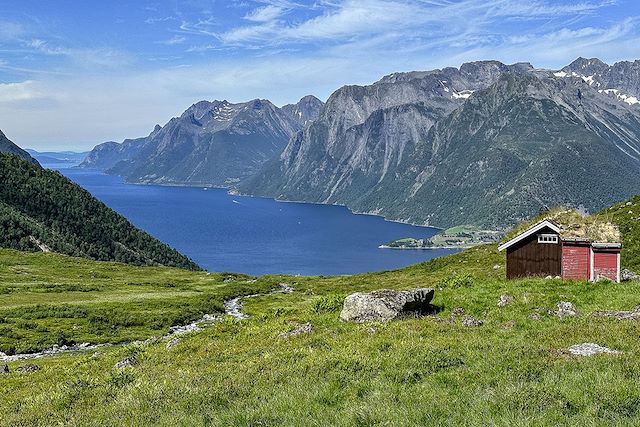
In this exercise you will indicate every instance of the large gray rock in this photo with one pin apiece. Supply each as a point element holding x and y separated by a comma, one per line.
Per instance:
<point>385,304</point>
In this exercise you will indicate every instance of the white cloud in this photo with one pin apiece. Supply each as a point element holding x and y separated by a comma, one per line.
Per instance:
<point>348,19</point>
<point>17,92</point>
<point>265,14</point>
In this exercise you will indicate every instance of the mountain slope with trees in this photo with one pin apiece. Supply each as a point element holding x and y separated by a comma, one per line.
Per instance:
<point>41,210</point>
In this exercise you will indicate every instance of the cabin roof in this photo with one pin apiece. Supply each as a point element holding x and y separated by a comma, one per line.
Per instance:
<point>537,227</point>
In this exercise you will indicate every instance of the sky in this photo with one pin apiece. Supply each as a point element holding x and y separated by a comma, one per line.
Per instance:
<point>77,73</point>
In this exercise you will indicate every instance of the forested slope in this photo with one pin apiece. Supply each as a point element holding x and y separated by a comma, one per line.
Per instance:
<point>42,210</point>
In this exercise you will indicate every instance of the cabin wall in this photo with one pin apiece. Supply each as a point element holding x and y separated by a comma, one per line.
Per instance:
<point>576,261</point>
<point>530,258</point>
<point>606,264</point>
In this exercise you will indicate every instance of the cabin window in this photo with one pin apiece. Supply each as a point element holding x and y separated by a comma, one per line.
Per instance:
<point>547,238</point>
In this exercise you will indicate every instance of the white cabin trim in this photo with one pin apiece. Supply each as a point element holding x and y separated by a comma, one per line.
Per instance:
<point>539,226</point>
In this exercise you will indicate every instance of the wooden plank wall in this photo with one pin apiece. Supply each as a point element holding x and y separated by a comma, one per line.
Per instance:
<point>530,258</point>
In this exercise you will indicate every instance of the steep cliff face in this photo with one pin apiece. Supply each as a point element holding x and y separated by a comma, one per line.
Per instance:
<point>211,143</point>
<point>487,143</point>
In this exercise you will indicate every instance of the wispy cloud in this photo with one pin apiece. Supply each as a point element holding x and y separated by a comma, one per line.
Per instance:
<point>349,19</point>
<point>177,39</point>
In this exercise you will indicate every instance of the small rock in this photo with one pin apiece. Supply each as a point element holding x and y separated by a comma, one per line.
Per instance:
<point>228,279</point>
<point>371,330</point>
<point>535,316</point>
<point>589,349</point>
<point>285,288</point>
<point>505,300</point>
<point>4,369</point>
<point>497,266</point>
<point>173,342</point>
<point>565,309</point>
<point>28,368</point>
<point>457,311</point>
<point>210,318</point>
<point>471,321</point>
<point>304,328</point>
<point>548,277</point>
<point>509,325</point>
<point>628,275</point>
<point>97,354</point>
<point>386,304</point>
<point>127,362</point>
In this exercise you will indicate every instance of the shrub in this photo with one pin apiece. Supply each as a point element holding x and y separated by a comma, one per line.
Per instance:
<point>327,303</point>
<point>464,280</point>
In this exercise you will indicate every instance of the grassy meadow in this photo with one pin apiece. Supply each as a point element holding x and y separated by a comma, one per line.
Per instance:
<point>418,371</point>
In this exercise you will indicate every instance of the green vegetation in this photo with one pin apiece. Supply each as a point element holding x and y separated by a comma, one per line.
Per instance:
<point>461,236</point>
<point>42,210</point>
<point>420,371</point>
<point>627,216</point>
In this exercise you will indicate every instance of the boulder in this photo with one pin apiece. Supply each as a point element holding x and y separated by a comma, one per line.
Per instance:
<point>385,304</point>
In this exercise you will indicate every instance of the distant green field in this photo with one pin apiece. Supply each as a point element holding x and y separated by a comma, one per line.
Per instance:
<point>423,371</point>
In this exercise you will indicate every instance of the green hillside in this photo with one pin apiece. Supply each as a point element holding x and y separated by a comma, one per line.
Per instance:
<point>43,210</point>
<point>433,370</point>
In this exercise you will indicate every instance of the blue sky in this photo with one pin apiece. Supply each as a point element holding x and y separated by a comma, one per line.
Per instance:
<point>77,73</point>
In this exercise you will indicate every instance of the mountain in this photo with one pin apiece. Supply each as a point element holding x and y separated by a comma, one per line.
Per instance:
<point>212,143</point>
<point>8,147</point>
<point>41,210</point>
<point>68,157</point>
<point>486,144</point>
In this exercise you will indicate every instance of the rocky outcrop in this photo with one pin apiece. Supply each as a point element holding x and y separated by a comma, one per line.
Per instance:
<point>304,328</point>
<point>620,315</point>
<point>627,275</point>
<point>505,300</point>
<point>472,322</point>
<point>565,309</point>
<point>386,304</point>
<point>27,369</point>
<point>589,349</point>
<point>127,362</point>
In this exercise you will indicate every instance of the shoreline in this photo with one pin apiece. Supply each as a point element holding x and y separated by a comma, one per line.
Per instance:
<point>422,248</point>
<point>232,192</point>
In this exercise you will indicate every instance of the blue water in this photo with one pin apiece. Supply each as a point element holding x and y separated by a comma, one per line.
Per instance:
<point>255,235</point>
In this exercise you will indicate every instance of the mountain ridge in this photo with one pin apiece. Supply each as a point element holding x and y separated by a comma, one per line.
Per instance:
<point>211,143</point>
<point>378,155</point>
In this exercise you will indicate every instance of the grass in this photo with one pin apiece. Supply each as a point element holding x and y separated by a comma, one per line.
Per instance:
<point>420,371</point>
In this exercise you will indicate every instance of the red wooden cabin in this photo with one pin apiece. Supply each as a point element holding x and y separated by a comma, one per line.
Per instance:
<point>543,251</point>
